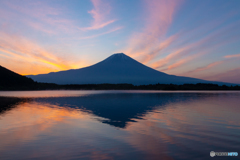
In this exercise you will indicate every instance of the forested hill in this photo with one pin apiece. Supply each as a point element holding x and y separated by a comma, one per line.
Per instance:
<point>10,79</point>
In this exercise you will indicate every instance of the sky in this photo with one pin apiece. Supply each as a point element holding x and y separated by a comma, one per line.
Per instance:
<point>193,38</point>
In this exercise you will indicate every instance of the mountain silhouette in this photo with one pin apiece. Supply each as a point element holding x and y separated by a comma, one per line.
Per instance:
<point>10,79</point>
<point>116,69</point>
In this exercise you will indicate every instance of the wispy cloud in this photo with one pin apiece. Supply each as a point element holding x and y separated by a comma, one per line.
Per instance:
<point>24,65</point>
<point>231,76</point>
<point>22,48</point>
<point>40,16</point>
<point>173,56</point>
<point>187,52</point>
<point>181,62</point>
<point>232,56</point>
<point>100,34</point>
<point>151,39</point>
<point>159,48</point>
<point>209,66</point>
<point>100,14</point>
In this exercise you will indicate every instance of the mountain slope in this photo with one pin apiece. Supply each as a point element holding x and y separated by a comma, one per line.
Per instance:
<point>12,80</point>
<point>118,68</point>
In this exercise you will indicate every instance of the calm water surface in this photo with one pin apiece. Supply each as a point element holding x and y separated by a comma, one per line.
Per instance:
<point>118,124</point>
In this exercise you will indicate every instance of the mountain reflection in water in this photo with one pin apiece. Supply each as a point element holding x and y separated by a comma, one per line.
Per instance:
<point>9,103</point>
<point>119,109</point>
<point>139,126</point>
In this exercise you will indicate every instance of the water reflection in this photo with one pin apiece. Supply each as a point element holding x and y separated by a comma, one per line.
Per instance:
<point>120,126</point>
<point>8,103</point>
<point>119,109</point>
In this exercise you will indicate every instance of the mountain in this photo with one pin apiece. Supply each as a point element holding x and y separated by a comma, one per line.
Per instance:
<point>11,80</point>
<point>118,68</point>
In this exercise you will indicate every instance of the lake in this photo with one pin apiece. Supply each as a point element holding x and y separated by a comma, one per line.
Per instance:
<point>118,124</point>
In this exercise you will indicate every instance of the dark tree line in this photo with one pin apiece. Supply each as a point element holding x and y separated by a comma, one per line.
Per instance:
<point>52,86</point>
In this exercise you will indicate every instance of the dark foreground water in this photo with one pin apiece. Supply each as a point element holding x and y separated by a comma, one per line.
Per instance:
<point>131,125</point>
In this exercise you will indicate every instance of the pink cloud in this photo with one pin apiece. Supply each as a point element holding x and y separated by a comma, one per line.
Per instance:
<point>177,64</point>
<point>231,76</point>
<point>204,68</point>
<point>97,35</point>
<point>172,56</point>
<point>232,56</point>
<point>163,45</point>
<point>159,15</point>
<point>208,66</point>
<point>40,16</point>
<point>202,46</point>
<point>183,61</point>
<point>100,12</point>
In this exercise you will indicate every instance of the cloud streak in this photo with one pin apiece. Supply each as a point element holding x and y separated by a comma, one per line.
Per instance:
<point>186,53</point>
<point>40,16</point>
<point>204,68</point>
<point>100,12</point>
<point>208,66</point>
<point>173,56</point>
<point>151,39</point>
<point>28,51</point>
<point>231,76</point>
<point>181,62</point>
<point>232,56</point>
<point>163,45</point>
<point>100,34</point>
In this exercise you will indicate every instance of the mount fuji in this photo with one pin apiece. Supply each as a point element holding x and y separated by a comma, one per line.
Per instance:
<point>116,69</point>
